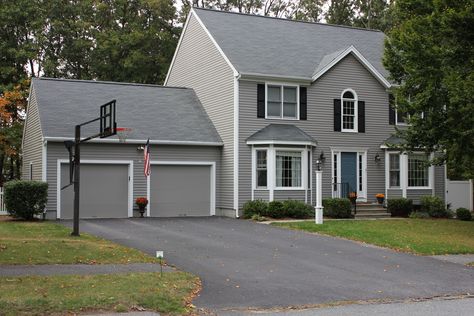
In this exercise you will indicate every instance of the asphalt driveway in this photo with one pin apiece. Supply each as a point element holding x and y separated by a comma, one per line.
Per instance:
<point>245,264</point>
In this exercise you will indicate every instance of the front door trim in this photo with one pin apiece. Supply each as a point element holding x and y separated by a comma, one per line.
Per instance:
<point>336,154</point>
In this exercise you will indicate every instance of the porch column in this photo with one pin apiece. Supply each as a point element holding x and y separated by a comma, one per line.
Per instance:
<point>318,209</point>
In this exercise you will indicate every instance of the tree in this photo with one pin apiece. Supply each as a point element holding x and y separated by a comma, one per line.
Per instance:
<point>372,14</point>
<point>340,12</point>
<point>430,54</point>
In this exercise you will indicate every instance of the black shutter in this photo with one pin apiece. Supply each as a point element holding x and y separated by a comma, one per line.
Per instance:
<point>391,109</point>
<point>261,100</point>
<point>361,116</point>
<point>337,115</point>
<point>303,103</point>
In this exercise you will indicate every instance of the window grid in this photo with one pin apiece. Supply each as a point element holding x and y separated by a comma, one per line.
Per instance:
<point>418,171</point>
<point>360,172</point>
<point>348,114</point>
<point>261,169</point>
<point>282,102</point>
<point>394,170</point>
<point>335,172</point>
<point>288,169</point>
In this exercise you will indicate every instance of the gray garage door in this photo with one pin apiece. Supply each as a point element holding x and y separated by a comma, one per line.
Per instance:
<point>104,191</point>
<point>180,190</point>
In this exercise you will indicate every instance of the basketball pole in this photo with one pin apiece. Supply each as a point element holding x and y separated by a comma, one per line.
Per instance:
<point>77,177</point>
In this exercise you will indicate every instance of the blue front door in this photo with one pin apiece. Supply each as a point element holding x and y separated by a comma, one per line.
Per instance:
<point>349,170</point>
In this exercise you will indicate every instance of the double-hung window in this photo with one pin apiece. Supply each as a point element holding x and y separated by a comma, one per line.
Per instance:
<point>261,170</point>
<point>349,111</point>
<point>288,169</point>
<point>394,167</point>
<point>418,170</point>
<point>282,102</point>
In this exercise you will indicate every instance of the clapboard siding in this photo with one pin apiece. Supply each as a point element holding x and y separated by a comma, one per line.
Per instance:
<point>281,195</point>
<point>394,193</point>
<point>416,194</point>
<point>199,65</point>
<point>349,73</point>
<point>93,151</point>
<point>32,149</point>
<point>261,195</point>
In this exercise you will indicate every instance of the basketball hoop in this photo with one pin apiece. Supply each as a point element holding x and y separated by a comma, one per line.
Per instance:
<point>122,133</point>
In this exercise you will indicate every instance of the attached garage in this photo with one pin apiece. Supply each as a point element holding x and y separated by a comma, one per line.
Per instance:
<point>182,189</point>
<point>105,190</point>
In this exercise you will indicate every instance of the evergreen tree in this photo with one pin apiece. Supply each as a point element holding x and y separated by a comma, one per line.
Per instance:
<point>340,12</point>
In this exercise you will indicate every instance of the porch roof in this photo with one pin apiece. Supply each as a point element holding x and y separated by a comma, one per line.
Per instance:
<point>281,134</point>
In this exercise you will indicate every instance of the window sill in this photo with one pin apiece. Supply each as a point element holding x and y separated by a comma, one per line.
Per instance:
<point>289,189</point>
<point>349,131</point>
<point>419,188</point>
<point>261,189</point>
<point>282,118</point>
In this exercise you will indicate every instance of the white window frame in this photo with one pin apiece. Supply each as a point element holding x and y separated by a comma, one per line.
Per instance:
<point>399,170</point>
<point>255,169</point>
<point>304,167</point>
<point>356,111</point>
<point>430,173</point>
<point>282,86</point>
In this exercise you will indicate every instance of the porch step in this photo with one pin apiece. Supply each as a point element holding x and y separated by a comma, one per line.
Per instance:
<point>372,215</point>
<point>371,210</point>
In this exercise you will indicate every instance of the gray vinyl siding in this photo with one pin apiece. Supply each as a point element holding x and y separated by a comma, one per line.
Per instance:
<point>416,194</point>
<point>394,193</point>
<point>348,73</point>
<point>261,195</point>
<point>94,151</point>
<point>199,65</point>
<point>279,195</point>
<point>32,141</point>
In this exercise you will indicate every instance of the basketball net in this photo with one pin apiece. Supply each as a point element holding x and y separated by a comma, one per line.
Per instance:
<point>122,133</point>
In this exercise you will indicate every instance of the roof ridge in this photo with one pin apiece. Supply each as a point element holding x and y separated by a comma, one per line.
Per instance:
<point>109,82</point>
<point>289,20</point>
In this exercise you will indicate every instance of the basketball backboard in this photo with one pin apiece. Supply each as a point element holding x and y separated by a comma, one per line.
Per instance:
<point>108,125</point>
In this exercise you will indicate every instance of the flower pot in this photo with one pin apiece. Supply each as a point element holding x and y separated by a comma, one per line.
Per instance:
<point>142,211</point>
<point>380,200</point>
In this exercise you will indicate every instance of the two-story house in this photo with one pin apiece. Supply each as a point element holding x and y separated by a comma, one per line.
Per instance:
<point>286,95</point>
<point>251,107</point>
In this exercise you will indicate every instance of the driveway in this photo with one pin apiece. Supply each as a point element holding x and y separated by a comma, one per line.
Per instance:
<point>245,264</point>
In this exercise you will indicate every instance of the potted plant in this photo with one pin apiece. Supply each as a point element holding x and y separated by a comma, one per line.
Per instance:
<point>353,197</point>
<point>141,202</point>
<point>380,197</point>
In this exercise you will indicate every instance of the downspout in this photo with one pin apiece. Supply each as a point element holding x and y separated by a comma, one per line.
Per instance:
<point>236,143</point>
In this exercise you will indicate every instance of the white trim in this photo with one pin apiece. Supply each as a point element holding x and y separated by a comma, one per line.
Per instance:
<point>236,145</point>
<point>44,161</point>
<point>387,173</point>
<point>356,111</point>
<point>212,164</point>
<point>282,86</point>
<point>280,142</point>
<point>138,141</point>
<point>185,27</point>
<point>91,161</point>
<point>362,195</point>
<point>26,119</point>
<point>352,50</point>
<point>214,42</point>
<point>271,164</point>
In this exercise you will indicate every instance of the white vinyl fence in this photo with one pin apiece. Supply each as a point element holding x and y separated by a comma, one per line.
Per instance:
<point>3,211</point>
<point>459,194</point>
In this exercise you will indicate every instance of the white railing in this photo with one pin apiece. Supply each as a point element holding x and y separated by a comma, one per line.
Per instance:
<point>3,211</point>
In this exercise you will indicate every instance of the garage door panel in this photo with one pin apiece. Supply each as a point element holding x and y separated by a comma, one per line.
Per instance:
<point>180,190</point>
<point>104,191</point>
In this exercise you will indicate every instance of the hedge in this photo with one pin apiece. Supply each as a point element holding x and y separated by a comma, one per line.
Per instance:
<point>278,209</point>
<point>434,206</point>
<point>400,207</point>
<point>463,214</point>
<point>337,208</point>
<point>25,199</point>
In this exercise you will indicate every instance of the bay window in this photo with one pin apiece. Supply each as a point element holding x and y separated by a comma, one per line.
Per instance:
<point>288,169</point>
<point>261,170</point>
<point>394,173</point>
<point>418,170</point>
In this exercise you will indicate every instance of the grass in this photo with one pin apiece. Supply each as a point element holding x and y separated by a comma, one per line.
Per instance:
<point>420,236</point>
<point>39,295</point>
<point>50,243</point>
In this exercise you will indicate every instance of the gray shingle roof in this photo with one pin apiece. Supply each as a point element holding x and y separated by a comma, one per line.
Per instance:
<point>281,132</point>
<point>393,141</point>
<point>270,46</point>
<point>155,112</point>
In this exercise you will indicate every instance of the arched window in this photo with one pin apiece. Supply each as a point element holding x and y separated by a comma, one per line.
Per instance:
<point>349,111</point>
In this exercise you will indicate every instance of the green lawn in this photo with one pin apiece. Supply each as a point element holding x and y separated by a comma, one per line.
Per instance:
<point>421,236</point>
<point>39,295</point>
<point>50,243</point>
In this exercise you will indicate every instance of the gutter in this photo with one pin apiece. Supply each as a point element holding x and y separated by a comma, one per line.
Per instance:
<point>137,141</point>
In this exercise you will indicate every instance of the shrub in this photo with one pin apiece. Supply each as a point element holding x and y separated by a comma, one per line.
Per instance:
<point>25,199</point>
<point>419,215</point>
<point>258,218</point>
<point>337,208</point>
<point>434,206</point>
<point>275,210</point>
<point>463,214</point>
<point>401,207</point>
<point>251,208</point>
<point>297,209</point>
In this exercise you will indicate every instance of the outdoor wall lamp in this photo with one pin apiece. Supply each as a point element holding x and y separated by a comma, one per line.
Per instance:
<point>141,148</point>
<point>322,158</point>
<point>377,158</point>
<point>318,165</point>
